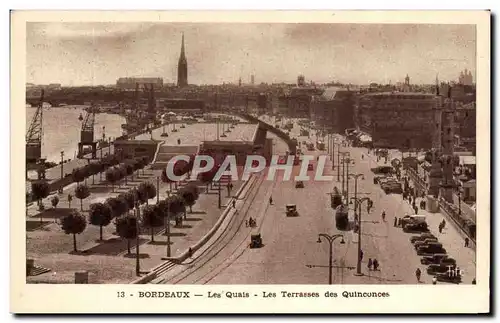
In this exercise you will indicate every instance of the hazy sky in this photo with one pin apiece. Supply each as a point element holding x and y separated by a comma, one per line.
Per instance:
<point>99,53</point>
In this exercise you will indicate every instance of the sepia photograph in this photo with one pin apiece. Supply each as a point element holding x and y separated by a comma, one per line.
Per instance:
<point>253,153</point>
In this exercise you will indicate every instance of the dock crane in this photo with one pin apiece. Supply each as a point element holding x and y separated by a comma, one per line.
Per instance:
<point>87,135</point>
<point>34,136</point>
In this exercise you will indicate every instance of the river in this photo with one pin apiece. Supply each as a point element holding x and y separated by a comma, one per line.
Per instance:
<point>61,129</point>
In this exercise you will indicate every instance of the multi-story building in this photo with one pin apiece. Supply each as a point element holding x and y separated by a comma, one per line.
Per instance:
<point>333,110</point>
<point>129,83</point>
<point>398,120</point>
<point>297,103</point>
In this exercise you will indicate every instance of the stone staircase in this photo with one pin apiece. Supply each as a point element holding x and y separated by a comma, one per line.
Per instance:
<point>165,153</point>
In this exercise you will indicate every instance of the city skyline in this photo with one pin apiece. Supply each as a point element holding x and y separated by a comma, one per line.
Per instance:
<point>77,54</point>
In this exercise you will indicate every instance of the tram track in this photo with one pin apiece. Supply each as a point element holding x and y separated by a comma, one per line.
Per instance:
<point>223,239</point>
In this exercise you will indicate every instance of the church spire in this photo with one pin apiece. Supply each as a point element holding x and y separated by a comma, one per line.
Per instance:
<point>182,68</point>
<point>183,53</point>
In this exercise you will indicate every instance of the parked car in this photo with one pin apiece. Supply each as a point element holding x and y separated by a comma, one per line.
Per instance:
<point>424,242</point>
<point>430,249</point>
<point>441,268</point>
<point>434,259</point>
<point>455,278</point>
<point>410,219</point>
<point>422,236</point>
<point>392,187</point>
<point>383,170</point>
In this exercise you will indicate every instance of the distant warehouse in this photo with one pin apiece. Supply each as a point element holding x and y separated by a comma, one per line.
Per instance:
<point>129,83</point>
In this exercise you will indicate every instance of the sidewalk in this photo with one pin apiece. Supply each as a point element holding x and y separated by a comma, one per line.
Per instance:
<point>396,252</point>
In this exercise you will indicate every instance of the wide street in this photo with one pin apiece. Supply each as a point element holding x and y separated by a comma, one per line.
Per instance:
<point>291,254</point>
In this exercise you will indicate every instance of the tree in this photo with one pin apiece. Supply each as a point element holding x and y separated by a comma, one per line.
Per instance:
<point>70,198</point>
<point>78,175</point>
<point>138,164</point>
<point>152,218</point>
<point>94,168</point>
<point>123,172</point>
<point>118,206</point>
<point>82,192</point>
<point>129,169</point>
<point>176,206</point>
<point>146,191</point>
<point>54,201</point>
<point>130,198</point>
<point>100,215</point>
<point>112,176</point>
<point>73,223</point>
<point>208,176</point>
<point>126,227</point>
<point>40,190</point>
<point>189,194</point>
<point>164,212</point>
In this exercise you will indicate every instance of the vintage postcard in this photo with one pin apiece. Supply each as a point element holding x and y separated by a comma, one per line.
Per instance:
<point>250,162</point>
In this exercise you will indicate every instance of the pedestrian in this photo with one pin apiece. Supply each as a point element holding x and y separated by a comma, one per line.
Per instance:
<point>395,221</point>
<point>190,252</point>
<point>361,255</point>
<point>434,280</point>
<point>444,223</point>
<point>399,222</point>
<point>440,228</point>
<point>234,204</point>
<point>466,242</point>
<point>375,264</point>
<point>418,273</point>
<point>246,223</point>
<point>416,209</point>
<point>370,263</point>
<point>271,200</point>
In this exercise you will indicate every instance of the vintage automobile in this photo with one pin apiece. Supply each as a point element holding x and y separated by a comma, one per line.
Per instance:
<point>335,198</point>
<point>430,249</point>
<point>393,188</point>
<point>438,259</point>
<point>434,259</point>
<point>383,170</point>
<point>415,218</point>
<point>299,184</point>
<point>424,242</point>
<point>342,217</point>
<point>291,210</point>
<point>377,179</point>
<point>255,241</point>
<point>422,237</point>
<point>441,268</point>
<point>446,277</point>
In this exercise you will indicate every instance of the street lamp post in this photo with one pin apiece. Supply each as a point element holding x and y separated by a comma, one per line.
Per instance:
<point>157,189</point>
<point>358,204</point>
<point>137,253</point>
<point>218,189</point>
<point>330,240</point>
<point>347,161</point>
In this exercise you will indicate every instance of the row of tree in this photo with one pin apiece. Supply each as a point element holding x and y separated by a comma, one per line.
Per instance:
<point>113,162</point>
<point>182,167</point>
<point>128,225</point>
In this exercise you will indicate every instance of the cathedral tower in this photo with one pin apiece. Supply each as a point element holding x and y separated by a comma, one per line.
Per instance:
<point>182,68</point>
